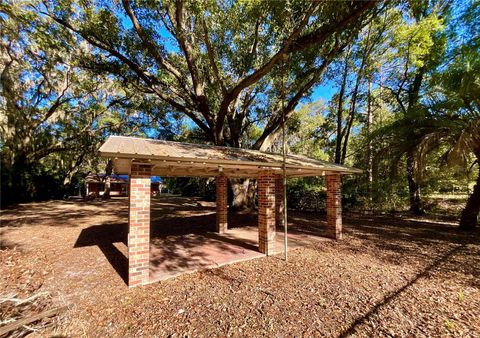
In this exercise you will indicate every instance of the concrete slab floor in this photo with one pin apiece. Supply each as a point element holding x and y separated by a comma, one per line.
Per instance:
<point>173,255</point>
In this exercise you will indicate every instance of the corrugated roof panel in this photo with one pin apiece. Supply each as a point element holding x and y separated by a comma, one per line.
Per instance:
<point>134,147</point>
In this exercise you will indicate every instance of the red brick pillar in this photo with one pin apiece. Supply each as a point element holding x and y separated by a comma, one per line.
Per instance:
<point>279,200</point>
<point>266,213</point>
<point>222,207</point>
<point>334,206</point>
<point>139,225</point>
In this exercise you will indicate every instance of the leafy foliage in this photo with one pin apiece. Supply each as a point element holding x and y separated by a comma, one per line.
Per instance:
<point>54,113</point>
<point>216,62</point>
<point>398,81</point>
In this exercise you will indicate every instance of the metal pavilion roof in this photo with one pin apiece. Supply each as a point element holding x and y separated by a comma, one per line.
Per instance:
<point>187,159</point>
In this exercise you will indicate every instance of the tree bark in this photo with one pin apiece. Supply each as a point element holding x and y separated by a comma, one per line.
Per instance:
<point>413,186</point>
<point>243,193</point>
<point>353,103</point>
<point>338,146</point>
<point>21,188</point>
<point>369,146</point>
<point>468,219</point>
<point>107,180</point>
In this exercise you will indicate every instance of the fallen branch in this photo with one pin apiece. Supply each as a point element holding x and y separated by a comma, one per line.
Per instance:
<point>23,301</point>
<point>267,292</point>
<point>30,328</point>
<point>25,321</point>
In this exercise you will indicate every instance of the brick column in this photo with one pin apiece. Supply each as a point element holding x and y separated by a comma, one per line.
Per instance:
<point>334,206</point>
<point>279,200</point>
<point>266,213</point>
<point>222,207</point>
<point>139,225</point>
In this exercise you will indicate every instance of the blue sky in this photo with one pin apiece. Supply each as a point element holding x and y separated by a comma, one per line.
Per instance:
<point>324,91</point>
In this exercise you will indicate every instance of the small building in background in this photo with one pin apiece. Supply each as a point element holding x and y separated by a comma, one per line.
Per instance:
<point>156,187</point>
<point>95,185</point>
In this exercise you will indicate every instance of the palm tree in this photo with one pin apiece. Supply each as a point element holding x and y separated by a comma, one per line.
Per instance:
<point>461,135</point>
<point>401,142</point>
<point>470,139</point>
<point>448,119</point>
<point>455,116</point>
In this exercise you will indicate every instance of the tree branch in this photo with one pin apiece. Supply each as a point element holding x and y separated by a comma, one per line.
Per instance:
<point>151,47</point>
<point>275,123</point>
<point>211,57</point>
<point>58,102</point>
<point>262,71</point>
<point>150,81</point>
<point>186,48</point>
<point>321,34</point>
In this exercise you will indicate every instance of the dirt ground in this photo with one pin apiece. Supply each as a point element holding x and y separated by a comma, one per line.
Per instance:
<point>389,276</point>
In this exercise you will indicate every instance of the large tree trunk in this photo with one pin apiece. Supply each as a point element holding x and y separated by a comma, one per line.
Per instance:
<point>369,146</point>
<point>413,186</point>
<point>338,145</point>
<point>243,193</point>
<point>353,102</point>
<point>468,220</point>
<point>107,180</point>
<point>21,188</point>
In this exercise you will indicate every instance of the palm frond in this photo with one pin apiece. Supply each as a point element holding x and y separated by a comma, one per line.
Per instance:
<point>468,141</point>
<point>427,144</point>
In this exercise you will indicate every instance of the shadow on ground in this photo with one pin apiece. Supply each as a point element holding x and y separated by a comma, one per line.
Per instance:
<point>176,219</point>
<point>104,236</point>
<point>63,213</point>
<point>436,264</point>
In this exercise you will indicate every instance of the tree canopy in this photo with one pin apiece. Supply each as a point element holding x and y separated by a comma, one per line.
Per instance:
<point>389,87</point>
<point>217,63</point>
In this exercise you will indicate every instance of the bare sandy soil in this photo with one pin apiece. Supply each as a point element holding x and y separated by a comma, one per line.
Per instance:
<point>390,276</point>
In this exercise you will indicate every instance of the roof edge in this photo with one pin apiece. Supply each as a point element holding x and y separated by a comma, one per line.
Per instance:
<point>341,169</point>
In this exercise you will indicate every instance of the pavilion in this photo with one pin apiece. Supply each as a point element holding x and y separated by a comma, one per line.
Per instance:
<point>141,158</point>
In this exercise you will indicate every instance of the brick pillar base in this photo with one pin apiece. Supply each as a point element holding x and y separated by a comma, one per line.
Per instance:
<point>222,207</point>
<point>279,200</point>
<point>139,225</point>
<point>266,213</point>
<point>334,206</point>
